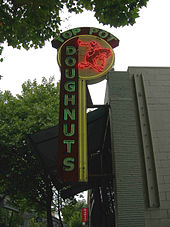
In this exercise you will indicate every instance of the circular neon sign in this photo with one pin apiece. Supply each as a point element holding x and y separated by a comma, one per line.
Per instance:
<point>85,55</point>
<point>95,57</point>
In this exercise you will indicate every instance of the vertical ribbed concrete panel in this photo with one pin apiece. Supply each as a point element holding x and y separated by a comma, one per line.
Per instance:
<point>128,185</point>
<point>156,89</point>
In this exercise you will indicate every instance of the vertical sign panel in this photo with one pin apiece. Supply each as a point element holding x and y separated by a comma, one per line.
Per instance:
<point>68,119</point>
<point>85,55</point>
<point>84,215</point>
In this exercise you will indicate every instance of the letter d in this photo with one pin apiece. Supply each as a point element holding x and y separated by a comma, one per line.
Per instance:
<point>70,50</point>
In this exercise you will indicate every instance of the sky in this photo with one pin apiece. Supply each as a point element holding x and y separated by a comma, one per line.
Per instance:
<point>144,44</point>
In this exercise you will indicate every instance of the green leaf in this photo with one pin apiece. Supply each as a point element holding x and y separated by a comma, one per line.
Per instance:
<point>21,175</point>
<point>31,23</point>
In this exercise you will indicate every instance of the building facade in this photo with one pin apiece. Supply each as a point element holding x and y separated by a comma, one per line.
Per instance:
<point>139,102</point>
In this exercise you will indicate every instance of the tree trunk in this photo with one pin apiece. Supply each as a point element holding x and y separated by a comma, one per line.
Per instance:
<point>49,198</point>
<point>59,211</point>
<point>49,216</point>
<point>10,220</point>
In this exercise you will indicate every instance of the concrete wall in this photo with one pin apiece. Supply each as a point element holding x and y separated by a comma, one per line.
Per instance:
<point>140,127</point>
<point>126,158</point>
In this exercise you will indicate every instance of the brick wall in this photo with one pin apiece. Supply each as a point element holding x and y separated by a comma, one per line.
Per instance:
<point>156,81</point>
<point>126,159</point>
<point>140,124</point>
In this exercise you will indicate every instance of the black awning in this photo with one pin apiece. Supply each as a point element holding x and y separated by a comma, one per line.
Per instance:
<point>44,144</point>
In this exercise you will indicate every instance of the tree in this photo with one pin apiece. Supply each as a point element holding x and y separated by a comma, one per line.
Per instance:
<point>9,218</point>
<point>21,176</point>
<point>72,213</point>
<point>76,219</point>
<point>29,23</point>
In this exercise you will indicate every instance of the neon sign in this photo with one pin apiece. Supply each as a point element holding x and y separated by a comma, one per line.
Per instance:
<point>96,56</point>
<point>85,55</point>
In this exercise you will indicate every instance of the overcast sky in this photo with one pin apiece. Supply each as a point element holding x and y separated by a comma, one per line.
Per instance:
<point>144,44</point>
